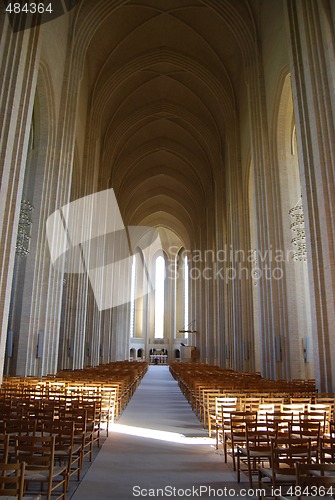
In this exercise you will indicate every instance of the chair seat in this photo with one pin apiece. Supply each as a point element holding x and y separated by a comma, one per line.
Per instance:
<point>23,498</point>
<point>285,478</point>
<point>254,454</point>
<point>31,475</point>
<point>240,439</point>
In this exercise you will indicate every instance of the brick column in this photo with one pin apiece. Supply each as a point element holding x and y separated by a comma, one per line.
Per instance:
<point>311,30</point>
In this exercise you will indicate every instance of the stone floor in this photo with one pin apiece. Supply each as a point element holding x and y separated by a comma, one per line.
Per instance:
<point>158,448</point>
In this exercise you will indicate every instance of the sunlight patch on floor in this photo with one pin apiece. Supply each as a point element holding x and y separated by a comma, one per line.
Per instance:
<point>170,437</point>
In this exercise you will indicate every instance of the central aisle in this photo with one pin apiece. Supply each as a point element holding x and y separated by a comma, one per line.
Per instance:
<point>157,443</point>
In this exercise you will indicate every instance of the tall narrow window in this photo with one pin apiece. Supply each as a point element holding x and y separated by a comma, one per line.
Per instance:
<point>132,297</point>
<point>186,293</point>
<point>159,297</point>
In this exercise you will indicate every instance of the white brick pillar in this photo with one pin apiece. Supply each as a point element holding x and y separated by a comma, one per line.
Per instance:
<point>312,60</point>
<point>19,54</point>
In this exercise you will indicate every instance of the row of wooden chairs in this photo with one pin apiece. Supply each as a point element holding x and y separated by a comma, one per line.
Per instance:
<point>269,428</point>
<point>214,400</point>
<point>210,388</point>
<point>44,462</point>
<point>225,407</point>
<point>291,470</point>
<point>193,377</point>
<point>250,442</point>
<point>77,387</point>
<point>312,481</point>
<point>52,424</point>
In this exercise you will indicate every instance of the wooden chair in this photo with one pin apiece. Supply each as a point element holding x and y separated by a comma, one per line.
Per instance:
<point>4,448</point>
<point>263,410</point>
<point>315,416</point>
<point>314,481</point>
<point>316,411</point>
<point>210,409</point>
<point>255,452</point>
<point>328,399</point>
<point>92,407</point>
<point>108,406</point>
<point>12,480</point>
<point>237,434</point>
<point>224,408</point>
<point>82,436</point>
<point>311,430</point>
<point>276,401</point>
<point>317,407</point>
<point>67,451</point>
<point>327,449</point>
<point>295,408</point>
<point>280,421</point>
<point>250,403</point>
<point>306,400</point>
<point>39,454</point>
<point>285,453</point>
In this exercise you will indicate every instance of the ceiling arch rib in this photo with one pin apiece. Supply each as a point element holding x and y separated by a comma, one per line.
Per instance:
<point>165,133</point>
<point>91,16</point>
<point>167,221</point>
<point>162,90</point>
<point>172,31</point>
<point>118,132</point>
<point>104,92</point>
<point>172,187</point>
<point>176,176</point>
<point>129,166</point>
<point>157,205</point>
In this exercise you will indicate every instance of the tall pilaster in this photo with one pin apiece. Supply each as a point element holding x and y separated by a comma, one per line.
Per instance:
<point>312,60</point>
<point>274,335</point>
<point>18,72</point>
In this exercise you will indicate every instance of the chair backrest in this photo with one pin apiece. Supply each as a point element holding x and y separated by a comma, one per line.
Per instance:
<point>12,479</point>
<point>305,400</point>
<point>318,479</point>
<point>225,405</point>
<point>315,416</point>
<point>321,407</point>
<point>37,451</point>
<point>286,452</point>
<point>21,426</point>
<point>276,401</point>
<point>307,429</point>
<point>263,410</point>
<point>279,420</point>
<point>327,449</point>
<point>4,443</point>
<point>296,408</point>
<point>258,438</point>
<point>250,403</point>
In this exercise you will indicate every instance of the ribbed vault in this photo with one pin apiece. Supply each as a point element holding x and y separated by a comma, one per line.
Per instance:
<point>164,77</point>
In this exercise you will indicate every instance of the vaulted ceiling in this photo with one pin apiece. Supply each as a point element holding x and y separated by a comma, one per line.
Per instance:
<point>164,78</point>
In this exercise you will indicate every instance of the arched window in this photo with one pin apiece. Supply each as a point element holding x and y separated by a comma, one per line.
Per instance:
<point>186,293</point>
<point>182,293</point>
<point>159,296</point>
<point>132,296</point>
